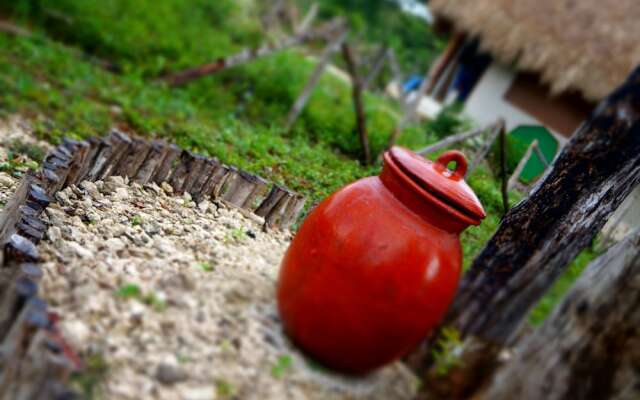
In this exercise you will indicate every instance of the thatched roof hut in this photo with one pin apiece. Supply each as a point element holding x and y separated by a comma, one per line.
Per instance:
<point>585,45</point>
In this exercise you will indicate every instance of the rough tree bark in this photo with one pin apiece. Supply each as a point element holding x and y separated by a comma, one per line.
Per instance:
<point>540,236</point>
<point>589,348</point>
<point>357,88</point>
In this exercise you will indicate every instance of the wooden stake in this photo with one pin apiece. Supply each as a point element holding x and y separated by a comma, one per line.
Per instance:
<point>304,96</point>
<point>427,85</point>
<point>357,87</point>
<point>458,137</point>
<point>486,146</point>
<point>376,68</point>
<point>504,186</point>
<point>513,180</point>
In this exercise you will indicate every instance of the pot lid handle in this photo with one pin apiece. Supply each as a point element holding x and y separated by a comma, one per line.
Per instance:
<point>454,155</point>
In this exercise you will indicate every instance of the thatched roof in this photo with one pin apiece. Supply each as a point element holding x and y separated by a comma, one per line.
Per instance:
<point>588,45</point>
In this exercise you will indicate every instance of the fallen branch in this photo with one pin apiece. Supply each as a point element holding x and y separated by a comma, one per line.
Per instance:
<point>15,30</point>
<point>246,55</point>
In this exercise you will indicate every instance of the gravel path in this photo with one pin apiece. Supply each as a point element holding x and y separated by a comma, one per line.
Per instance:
<point>177,300</point>
<point>166,299</point>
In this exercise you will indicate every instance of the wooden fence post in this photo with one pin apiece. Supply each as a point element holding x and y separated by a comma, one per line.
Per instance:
<point>513,179</point>
<point>357,88</point>
<point>304,96</point>
<point>540,236</point>
<point>486,146</point>
<point>427,85</point>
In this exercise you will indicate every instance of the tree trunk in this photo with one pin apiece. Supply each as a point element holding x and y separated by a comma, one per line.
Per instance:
<point>541,235</point>
<point>590,347</point>
<point>356,84</point>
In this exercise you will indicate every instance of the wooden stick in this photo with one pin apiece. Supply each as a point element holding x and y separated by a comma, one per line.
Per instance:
<point>513,180</point>
<point>294,208</point>
<point>183,169</point>
<point>243,185</point>
<point>486,146</point>
<point>133,158</point>
<point>357,87</point>
<point>270,202</point>
<point>152,162</point>
<point>308,19</point>
<point>504,187</point>
<point>541,156</point>
<point>304,96</point>
<point>12,29</point>
<point>458,137</point>
<point>427,85</point>
<point>165,168</point>
<point>378,65</point>
<point>246,55</point>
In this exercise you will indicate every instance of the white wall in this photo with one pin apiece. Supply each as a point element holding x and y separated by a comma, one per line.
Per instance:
<point>486,102</point>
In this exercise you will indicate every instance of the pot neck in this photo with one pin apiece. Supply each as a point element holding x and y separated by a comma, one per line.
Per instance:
<point>430,209</point>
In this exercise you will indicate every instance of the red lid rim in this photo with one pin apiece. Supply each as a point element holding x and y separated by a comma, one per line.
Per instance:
<point>428,193</point>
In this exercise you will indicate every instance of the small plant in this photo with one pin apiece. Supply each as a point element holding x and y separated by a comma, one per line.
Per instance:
<point>224,388</point>
<point>88,380</point>
<point>282,365</point>
<point>447,350</point>
<point>129,291</point>
<point>136,220</point>
<point>183,359</point>
<point>154,302</point>
<point>235,235</point>
<point>205,266</point>
<point>133,291</point>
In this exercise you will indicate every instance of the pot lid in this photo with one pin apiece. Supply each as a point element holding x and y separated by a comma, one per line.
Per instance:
<point>434,177</point>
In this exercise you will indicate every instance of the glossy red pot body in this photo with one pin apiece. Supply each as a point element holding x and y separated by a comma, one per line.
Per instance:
<point>372,270</point>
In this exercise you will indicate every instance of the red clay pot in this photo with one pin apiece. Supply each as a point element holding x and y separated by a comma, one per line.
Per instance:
<point>374,267</point>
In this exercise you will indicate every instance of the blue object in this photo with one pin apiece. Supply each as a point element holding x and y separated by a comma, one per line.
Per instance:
<point>413,83</point>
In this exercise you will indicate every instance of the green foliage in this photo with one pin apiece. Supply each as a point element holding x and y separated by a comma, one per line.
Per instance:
<point>88,380</point>
<point>205,266</point>
<point>446,351</point>
<point>136,220</point>
<point>224,388</point>
<point>144,35</point>
<point>128,291</point>
<point>281,366</point>
<point>382,22</point>
<point>553,296</point>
